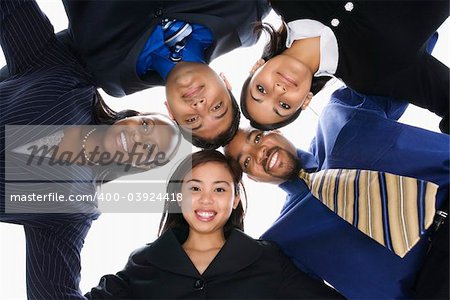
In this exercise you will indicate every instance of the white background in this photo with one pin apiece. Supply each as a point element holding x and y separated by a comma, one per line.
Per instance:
<point>113,236</point>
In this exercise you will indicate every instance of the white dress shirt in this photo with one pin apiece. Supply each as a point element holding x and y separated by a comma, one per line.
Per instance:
<point>329,54</point>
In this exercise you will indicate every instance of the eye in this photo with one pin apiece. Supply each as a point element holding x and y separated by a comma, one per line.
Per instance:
<point>258,138</point>
<point>246,162</point>
<point>261,89</point>
<point>217,107</point>
<point>219,189</point>
<point>149,147</point>
<point>192,119</point>
<point>285,105</point>
<point>194,188</point>
<point>145,125</point>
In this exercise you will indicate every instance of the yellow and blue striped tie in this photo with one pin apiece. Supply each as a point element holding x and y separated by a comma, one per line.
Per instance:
<point>391,209</point>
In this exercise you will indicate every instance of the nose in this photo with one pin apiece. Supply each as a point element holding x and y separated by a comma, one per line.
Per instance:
<point>261,154</point>
<point>206,198</point>
<point>199,103</point>
<point>279,88</point>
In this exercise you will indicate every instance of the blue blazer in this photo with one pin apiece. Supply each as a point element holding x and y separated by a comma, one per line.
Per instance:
<point>357,131</point>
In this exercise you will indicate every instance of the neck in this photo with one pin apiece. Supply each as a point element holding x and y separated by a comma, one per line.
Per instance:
<point>307,51</point>
<point>204,241</point>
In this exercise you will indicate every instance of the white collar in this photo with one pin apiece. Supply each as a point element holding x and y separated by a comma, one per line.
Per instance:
<point>306,28</point>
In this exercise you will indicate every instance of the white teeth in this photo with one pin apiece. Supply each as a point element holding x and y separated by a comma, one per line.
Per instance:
<point>205,214</point>
<point>273,160</point>
<point>124,141</point>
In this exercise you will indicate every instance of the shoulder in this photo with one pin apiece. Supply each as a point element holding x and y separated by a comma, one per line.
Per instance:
<point>270,249</point>
<point>265,248</point>
<point>139,255</point>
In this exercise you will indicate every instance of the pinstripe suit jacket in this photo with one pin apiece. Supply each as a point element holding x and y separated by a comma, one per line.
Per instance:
<point>47,86</point>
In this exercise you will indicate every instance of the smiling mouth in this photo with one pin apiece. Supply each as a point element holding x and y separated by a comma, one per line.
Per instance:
<point>272,159</point>
<point>287,80</point>
<point>193,92</point>
<point>123,141</point>
<point>205,215</point>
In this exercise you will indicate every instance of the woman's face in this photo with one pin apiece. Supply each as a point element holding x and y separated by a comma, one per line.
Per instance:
<point>144,139</point>
<point>278,89</point>
<point>208,197</point>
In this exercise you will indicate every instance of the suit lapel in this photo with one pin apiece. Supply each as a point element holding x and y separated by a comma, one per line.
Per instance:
<point>239,252</point>
<point>226,37</point>
<point>167,254</point>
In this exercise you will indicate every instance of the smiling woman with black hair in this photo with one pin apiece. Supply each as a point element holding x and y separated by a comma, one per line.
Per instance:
<point>202,252</point>
<point>375,47</point>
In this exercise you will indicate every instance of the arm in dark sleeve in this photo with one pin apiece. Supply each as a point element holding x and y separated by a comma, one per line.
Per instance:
<point>296,284</point>
<point>120,286</point>
<point>25,33</point>
<point>111,287</point>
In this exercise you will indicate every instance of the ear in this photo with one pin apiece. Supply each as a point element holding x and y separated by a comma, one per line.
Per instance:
<point>259,63</point>
<point>169,111</point>
<point>225,80</point>
<point>307,100</point>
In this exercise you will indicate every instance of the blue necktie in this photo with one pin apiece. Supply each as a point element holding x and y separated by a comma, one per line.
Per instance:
<point>176,35</point>
<point>173,41</point>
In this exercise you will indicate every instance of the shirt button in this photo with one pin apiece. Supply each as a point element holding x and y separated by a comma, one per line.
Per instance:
<point>199,284</point>
<point>335,22</point>
<point>158,12</point>
<point>348,6</point>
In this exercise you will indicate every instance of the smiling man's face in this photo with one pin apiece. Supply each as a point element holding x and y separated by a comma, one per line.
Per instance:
<point>199,99</point>
<point>264,156</point>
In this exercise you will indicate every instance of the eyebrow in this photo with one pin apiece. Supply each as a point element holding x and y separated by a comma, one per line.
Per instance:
<point>196,180</point>
<point>215,182</point>
<point>197,128</point>
<point>278,113</point>
<point>257,100</point>
<point>274,109</point>
<point>222,115</point>
<point>217,117</point>
<point>222,181</point>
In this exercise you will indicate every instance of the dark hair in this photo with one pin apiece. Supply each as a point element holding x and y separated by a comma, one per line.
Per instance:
<point>104,115</point>
<point>275,46</point>
<point>173,219</point>
<point>223,138</point>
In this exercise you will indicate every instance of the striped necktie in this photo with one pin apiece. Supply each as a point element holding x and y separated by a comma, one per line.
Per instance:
<point>391,209</point>
<point>176,34</point>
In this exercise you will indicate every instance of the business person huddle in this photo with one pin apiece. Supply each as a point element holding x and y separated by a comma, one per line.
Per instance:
<point>365,215</point>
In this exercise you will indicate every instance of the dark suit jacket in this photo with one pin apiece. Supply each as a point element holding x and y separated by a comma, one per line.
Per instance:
<point>47,86</point>
<point>244,268</point>
<point>382,46</point>
<point>110,35</point>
